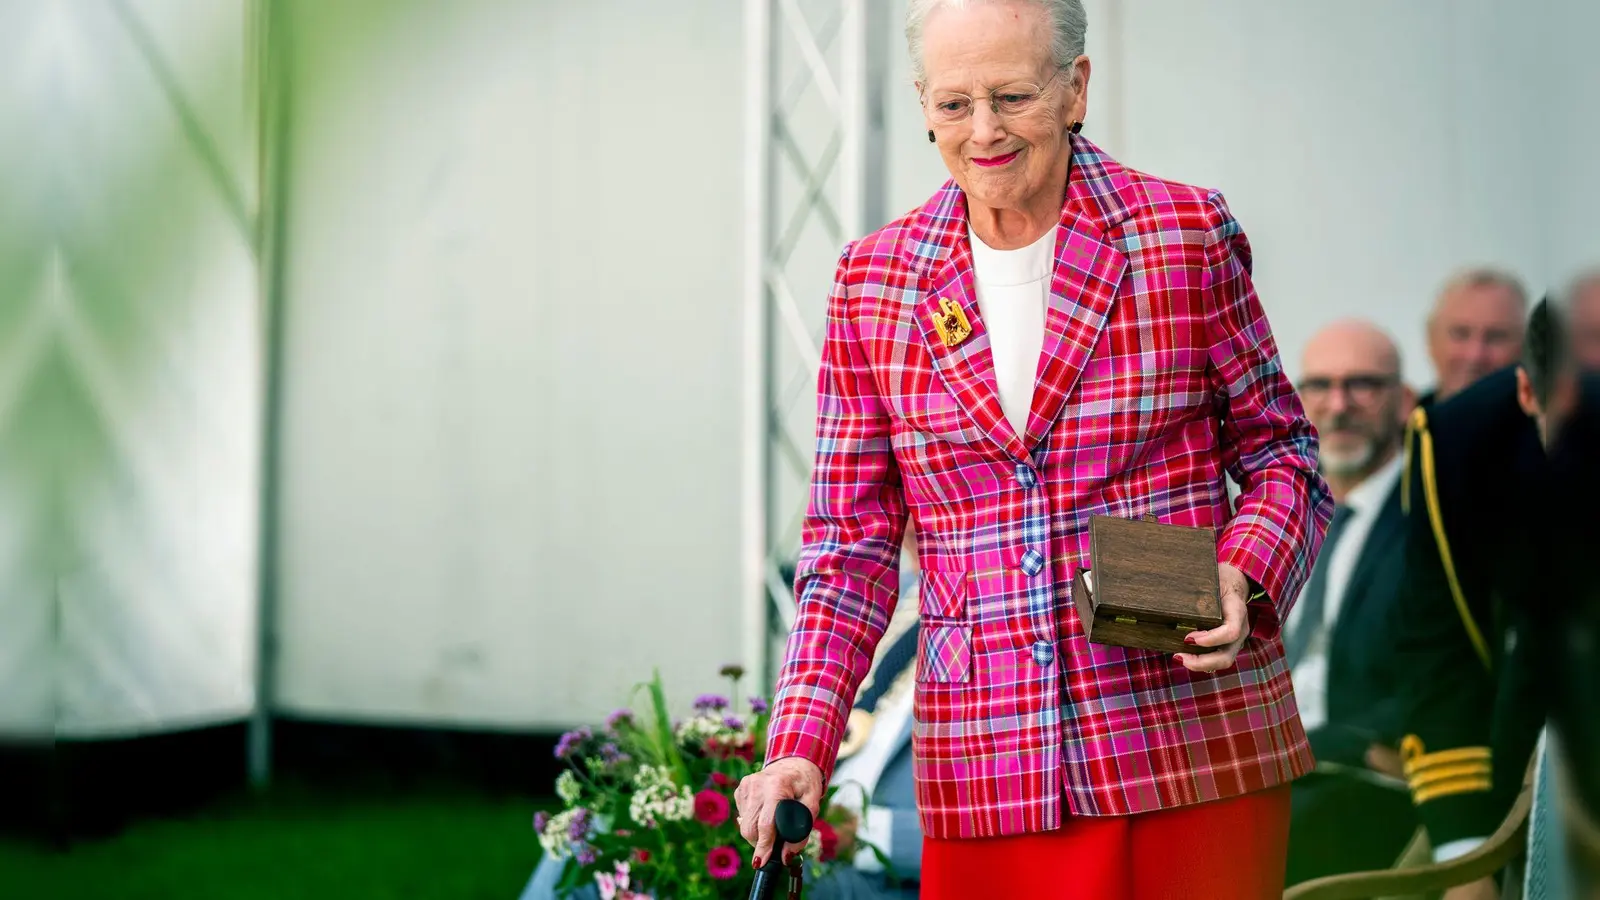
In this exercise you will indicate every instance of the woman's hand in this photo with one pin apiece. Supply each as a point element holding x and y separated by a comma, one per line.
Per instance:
<point>790,778</point>
<point>1227,638</point>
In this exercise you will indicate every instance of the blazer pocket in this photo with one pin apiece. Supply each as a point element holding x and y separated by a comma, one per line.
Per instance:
<point>942,595</point>
<point>944,654</point>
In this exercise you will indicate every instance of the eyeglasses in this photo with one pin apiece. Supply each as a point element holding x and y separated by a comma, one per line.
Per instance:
<point>1359,388</point>
<point>1008,102</point>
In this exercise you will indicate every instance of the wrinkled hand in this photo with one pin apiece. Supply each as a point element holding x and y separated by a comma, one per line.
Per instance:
<point>1482,889</point>
<point>1220,645</point>
<point>1385,759</point>
<point>790,778</point>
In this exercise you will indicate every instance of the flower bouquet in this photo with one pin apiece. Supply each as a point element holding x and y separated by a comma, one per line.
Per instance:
<point>649,802</point>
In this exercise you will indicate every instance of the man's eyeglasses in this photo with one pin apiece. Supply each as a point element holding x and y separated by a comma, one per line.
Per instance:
<point>1359,388</point>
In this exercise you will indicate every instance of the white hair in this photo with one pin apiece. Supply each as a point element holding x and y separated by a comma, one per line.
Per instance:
<point>1068,27</point>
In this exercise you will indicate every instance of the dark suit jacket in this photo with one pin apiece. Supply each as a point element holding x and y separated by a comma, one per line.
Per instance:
<point>1363,670</point>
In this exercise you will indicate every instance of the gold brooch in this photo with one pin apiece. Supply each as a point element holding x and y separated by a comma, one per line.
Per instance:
<point>951,323</point>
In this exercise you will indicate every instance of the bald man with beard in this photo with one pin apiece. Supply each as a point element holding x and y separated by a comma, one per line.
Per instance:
<point>1353,813</point>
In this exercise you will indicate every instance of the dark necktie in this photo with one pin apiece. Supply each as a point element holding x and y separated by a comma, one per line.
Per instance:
<point>1314,602</point>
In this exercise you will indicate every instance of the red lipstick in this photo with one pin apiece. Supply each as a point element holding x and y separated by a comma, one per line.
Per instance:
<point>994,161</point>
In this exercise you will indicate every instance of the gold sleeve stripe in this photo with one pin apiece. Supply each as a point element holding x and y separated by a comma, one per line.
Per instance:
<point>1451,788</point>
<point>1416,756</point>
<point>1417,429</point>
<point>1448,772</point>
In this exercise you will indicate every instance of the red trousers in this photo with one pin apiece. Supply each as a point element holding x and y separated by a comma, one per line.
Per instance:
<point>1230,849</point>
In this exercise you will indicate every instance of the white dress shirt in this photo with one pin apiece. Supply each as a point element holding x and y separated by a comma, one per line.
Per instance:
<point>1310,677</point>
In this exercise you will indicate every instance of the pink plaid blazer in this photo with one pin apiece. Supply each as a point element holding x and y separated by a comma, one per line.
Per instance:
<point>1159,374</point>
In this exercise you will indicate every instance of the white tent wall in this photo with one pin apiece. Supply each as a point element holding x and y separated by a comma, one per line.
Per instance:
<point>136,367</point>
<point>512,359</point>
<point>27,532</point>
<point>511,395</point>
<point>1567,134</point>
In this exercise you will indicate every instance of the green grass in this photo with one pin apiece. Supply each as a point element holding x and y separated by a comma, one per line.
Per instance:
<point>296,843</point>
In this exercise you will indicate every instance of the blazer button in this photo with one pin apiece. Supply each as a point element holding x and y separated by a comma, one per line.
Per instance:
<point>1026,477</point>
<point>1044,652</point>
<point>1032,562</point>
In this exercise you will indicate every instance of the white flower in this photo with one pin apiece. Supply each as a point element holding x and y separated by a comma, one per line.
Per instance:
<point>658,799</point>
<point>651,776</point>
<point>678,807</point>
<point>567,787</point>
<point>814,845</point>
<point>701,728</point>
<point>554,838</point>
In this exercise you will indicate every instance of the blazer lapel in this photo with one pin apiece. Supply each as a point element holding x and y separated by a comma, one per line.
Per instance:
<point>1088,274</point>
<point>967,367</point>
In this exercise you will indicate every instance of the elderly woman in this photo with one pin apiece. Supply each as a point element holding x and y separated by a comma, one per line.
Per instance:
<point>1051,336</point>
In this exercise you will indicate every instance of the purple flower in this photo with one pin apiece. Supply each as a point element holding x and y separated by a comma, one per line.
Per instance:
<point>710,703</point>
<point>733,722</point>
<point>541,819</point>
<point>611,756</point>
<point>579,828</point>
<point>758,705</point>
<point>586,855</point>
<point>619,718</point>
<point>571,741</point>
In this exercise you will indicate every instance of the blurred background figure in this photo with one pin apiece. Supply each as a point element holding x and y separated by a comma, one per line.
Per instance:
<point>1353,812</point>
<point>1583,315</point>
<point>1474,328</point>
<point>1479,497</point>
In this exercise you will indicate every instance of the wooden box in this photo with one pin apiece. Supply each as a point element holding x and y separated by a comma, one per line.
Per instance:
<point>1148,584</point>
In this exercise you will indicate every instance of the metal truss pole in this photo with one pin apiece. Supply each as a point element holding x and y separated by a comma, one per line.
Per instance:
<point>814,178</point>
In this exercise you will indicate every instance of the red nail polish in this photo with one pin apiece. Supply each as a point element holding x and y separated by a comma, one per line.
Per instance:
<point>755,863</point>
<point>1189,639</point>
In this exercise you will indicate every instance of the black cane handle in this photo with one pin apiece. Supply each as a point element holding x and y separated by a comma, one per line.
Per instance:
<point>794,826</point>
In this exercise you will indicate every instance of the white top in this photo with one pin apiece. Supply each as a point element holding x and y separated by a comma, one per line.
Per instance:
<point>1013,294</point>
<point>1310,677</point>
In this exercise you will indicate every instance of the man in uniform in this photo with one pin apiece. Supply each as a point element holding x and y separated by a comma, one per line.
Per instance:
<point>1476,478</point>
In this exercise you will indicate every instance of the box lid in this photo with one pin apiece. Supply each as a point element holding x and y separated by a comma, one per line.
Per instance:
<point>1154,572</point>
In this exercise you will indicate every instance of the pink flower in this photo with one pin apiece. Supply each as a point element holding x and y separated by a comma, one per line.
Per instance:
<point>722,862</point>
<point>606,885</point>
<point>711,808</point>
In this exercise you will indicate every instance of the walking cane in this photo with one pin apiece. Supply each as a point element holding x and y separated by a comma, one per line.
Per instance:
<point>794,826</point>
